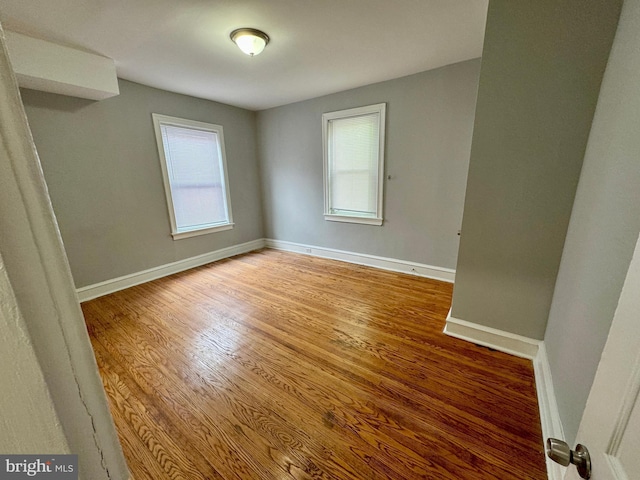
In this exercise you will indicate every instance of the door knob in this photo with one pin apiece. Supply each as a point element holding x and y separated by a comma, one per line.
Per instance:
<point>559,452</point>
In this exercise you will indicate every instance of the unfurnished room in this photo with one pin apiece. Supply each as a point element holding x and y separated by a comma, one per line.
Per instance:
<point>339,239</point>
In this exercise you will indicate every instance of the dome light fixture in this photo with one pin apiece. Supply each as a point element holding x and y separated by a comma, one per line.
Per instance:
<point>250,40</point>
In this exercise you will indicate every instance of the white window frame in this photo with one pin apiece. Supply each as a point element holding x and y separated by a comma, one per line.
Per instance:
<point>159,120</point>
<point>380,110</point>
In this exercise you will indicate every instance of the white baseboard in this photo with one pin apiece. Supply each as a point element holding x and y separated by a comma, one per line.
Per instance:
<point>549,413</point>
<point>109,286</point>
<point>491,337</point>
<point>531,349</point>
<point>395,265</point>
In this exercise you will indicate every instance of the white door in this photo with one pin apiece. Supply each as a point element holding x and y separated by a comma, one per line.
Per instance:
<point>610,426</point>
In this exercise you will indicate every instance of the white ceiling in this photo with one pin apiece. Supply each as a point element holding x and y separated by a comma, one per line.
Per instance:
<point>317,46</point>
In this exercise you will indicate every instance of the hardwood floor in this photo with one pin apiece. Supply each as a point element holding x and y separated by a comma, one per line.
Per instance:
<point>273,365</point>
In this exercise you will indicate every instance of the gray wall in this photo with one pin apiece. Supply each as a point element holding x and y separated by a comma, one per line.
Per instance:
<point>541,72</point>
<point>429,125</point>
<point>603,230</point>
<point>101,164</point>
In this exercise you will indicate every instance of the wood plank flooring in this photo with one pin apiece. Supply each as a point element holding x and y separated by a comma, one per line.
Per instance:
<point>273,365</point>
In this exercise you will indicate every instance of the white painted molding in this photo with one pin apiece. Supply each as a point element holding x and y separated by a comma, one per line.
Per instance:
<point>46,66</point>
<point>531,349</point>
<point>491,337</point>
<point>548,406</point>
<point>393,264</point>
<point>109,286</point>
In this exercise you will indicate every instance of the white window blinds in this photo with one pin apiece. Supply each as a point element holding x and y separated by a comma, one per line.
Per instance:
<point>195,177</point>
<point>354,164</point>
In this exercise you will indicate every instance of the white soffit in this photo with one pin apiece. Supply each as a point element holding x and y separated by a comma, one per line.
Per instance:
<point>45,66</point>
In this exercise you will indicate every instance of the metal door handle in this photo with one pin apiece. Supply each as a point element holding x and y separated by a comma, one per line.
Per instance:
<point>559,452</point>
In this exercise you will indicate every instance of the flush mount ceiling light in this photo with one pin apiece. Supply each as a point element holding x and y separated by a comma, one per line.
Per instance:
<point>250,40</point>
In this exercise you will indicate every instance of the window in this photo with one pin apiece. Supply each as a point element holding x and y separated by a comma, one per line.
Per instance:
<point>354,164</point>
<point>194,169</point>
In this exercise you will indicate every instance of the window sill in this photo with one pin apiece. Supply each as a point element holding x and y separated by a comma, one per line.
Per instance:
<point>202,231</point>
<point>347,219</point>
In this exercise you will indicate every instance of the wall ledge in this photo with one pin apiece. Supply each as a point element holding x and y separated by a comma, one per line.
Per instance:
<point>528,348</point>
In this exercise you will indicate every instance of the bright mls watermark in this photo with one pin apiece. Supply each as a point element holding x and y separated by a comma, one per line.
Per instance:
<point>50,467</point>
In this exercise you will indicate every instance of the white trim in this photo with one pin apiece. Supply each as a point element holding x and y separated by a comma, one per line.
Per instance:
<point>531,349</point>
<point>109,286</point>
<point>393,264</point>
<point>347,219</point>
<point>548,406</point>
<point>492,337</point>
<point>202,231</point>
